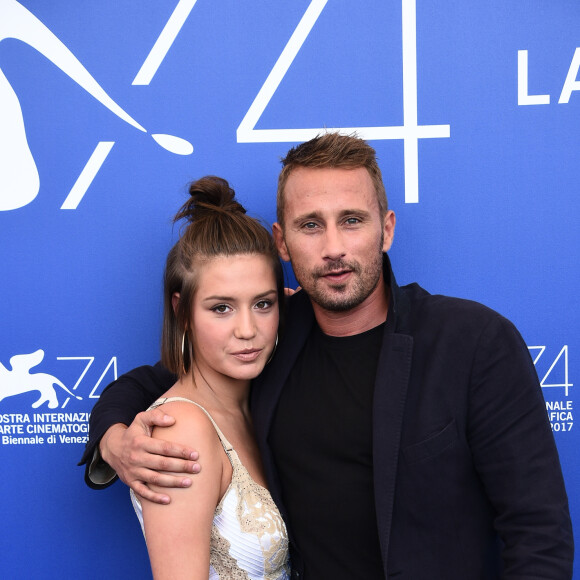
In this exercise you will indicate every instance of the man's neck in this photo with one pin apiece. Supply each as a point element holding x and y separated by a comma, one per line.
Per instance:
<point>367,315</point>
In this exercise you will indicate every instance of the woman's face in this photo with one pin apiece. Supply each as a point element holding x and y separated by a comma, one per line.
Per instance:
<point>235,315</point>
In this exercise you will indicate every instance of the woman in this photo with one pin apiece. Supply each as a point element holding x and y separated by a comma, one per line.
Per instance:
<point>223,291</point>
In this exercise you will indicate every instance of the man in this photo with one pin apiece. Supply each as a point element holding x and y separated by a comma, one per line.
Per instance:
<point>403,434</point>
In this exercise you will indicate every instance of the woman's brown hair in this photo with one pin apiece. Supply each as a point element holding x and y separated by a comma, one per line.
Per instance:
<point>217,225</point>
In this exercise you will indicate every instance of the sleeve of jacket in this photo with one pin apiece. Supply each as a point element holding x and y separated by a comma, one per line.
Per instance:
<point>515,454</point>
<point>120,402</point>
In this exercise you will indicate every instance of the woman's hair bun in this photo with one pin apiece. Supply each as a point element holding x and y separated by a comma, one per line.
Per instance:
<point>209,194</point>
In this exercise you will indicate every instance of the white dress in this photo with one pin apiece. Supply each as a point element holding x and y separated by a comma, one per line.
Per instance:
<point>248,537</point>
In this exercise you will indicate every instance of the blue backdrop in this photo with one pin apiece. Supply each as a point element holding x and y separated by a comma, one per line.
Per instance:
<point>109,108</point>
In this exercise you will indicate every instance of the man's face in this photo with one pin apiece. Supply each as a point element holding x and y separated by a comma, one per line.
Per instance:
<point>333,235</point>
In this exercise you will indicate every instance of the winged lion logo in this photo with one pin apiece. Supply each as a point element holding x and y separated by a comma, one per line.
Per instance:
<point>20,380</point>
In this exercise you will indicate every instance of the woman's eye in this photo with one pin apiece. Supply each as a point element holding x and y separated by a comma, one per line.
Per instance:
<point>263,304</point>
<point>221,308</point>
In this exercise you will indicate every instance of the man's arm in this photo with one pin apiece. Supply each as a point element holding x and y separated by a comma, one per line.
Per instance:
<point>516,456</point>
<point>129,452</point>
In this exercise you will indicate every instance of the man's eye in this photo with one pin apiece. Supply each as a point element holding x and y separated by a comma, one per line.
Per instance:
<point>352,221</point>
<point>309,225</point>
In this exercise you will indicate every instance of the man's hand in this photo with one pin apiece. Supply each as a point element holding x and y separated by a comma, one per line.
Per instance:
<point>291,291</point>
<point>138,458</point>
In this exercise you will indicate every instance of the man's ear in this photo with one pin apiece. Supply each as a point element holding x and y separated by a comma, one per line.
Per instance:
<point>389,230</point>
<point>278,234</point>
<point>175,301</point>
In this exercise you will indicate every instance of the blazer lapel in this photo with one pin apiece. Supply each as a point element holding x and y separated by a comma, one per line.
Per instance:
<point>389,404</point>
<point>392,379</point>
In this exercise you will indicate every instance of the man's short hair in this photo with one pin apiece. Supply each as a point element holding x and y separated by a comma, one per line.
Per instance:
<point>331,150</point>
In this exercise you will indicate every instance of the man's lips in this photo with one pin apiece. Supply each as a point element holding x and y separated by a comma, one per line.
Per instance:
<point>247,355</point>
<point>337,276</point>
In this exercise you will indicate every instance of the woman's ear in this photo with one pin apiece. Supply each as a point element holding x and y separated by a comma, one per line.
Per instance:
<point>175,301</point>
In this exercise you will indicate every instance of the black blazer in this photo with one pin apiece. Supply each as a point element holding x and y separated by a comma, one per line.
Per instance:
<point>467,478</point>
<point>468,484</point>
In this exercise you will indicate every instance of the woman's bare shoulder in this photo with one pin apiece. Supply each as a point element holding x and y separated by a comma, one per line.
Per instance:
<point>191,421</point>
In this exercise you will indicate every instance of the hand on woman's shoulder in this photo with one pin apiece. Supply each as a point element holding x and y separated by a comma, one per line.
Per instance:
<point>193,427</point>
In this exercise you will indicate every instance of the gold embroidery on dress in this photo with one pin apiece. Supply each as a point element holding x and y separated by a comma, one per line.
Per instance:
<point>258,515</point>
<point>220,559</point>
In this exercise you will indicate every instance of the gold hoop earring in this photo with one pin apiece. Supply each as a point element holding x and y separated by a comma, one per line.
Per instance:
<point>183,368</point>
<point>273,350</point>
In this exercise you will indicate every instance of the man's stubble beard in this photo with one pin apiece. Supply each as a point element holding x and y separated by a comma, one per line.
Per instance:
<point>339,298</point>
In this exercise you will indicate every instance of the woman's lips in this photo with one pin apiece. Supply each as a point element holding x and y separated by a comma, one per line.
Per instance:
<point>247,355</point>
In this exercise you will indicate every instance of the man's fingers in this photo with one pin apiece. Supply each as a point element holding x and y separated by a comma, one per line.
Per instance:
<point>155,463</point>
<point>168,480</point>
<point>154,418</point>
<point>171,449</point>
<point>149,464</point>
<point>158,480</point>
<point>143,491</point>
<point>165,449</point>
<point>290,291</point>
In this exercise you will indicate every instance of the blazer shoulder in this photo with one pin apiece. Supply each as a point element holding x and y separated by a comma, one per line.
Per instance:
<point>423,308</point>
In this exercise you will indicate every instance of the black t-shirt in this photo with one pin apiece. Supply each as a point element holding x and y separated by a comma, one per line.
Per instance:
<point>322,441</point>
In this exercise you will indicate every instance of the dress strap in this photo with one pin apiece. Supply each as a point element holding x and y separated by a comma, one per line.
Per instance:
<point>225,443</point>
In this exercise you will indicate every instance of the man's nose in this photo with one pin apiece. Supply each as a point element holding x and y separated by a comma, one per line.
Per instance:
<point>333,244</point>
